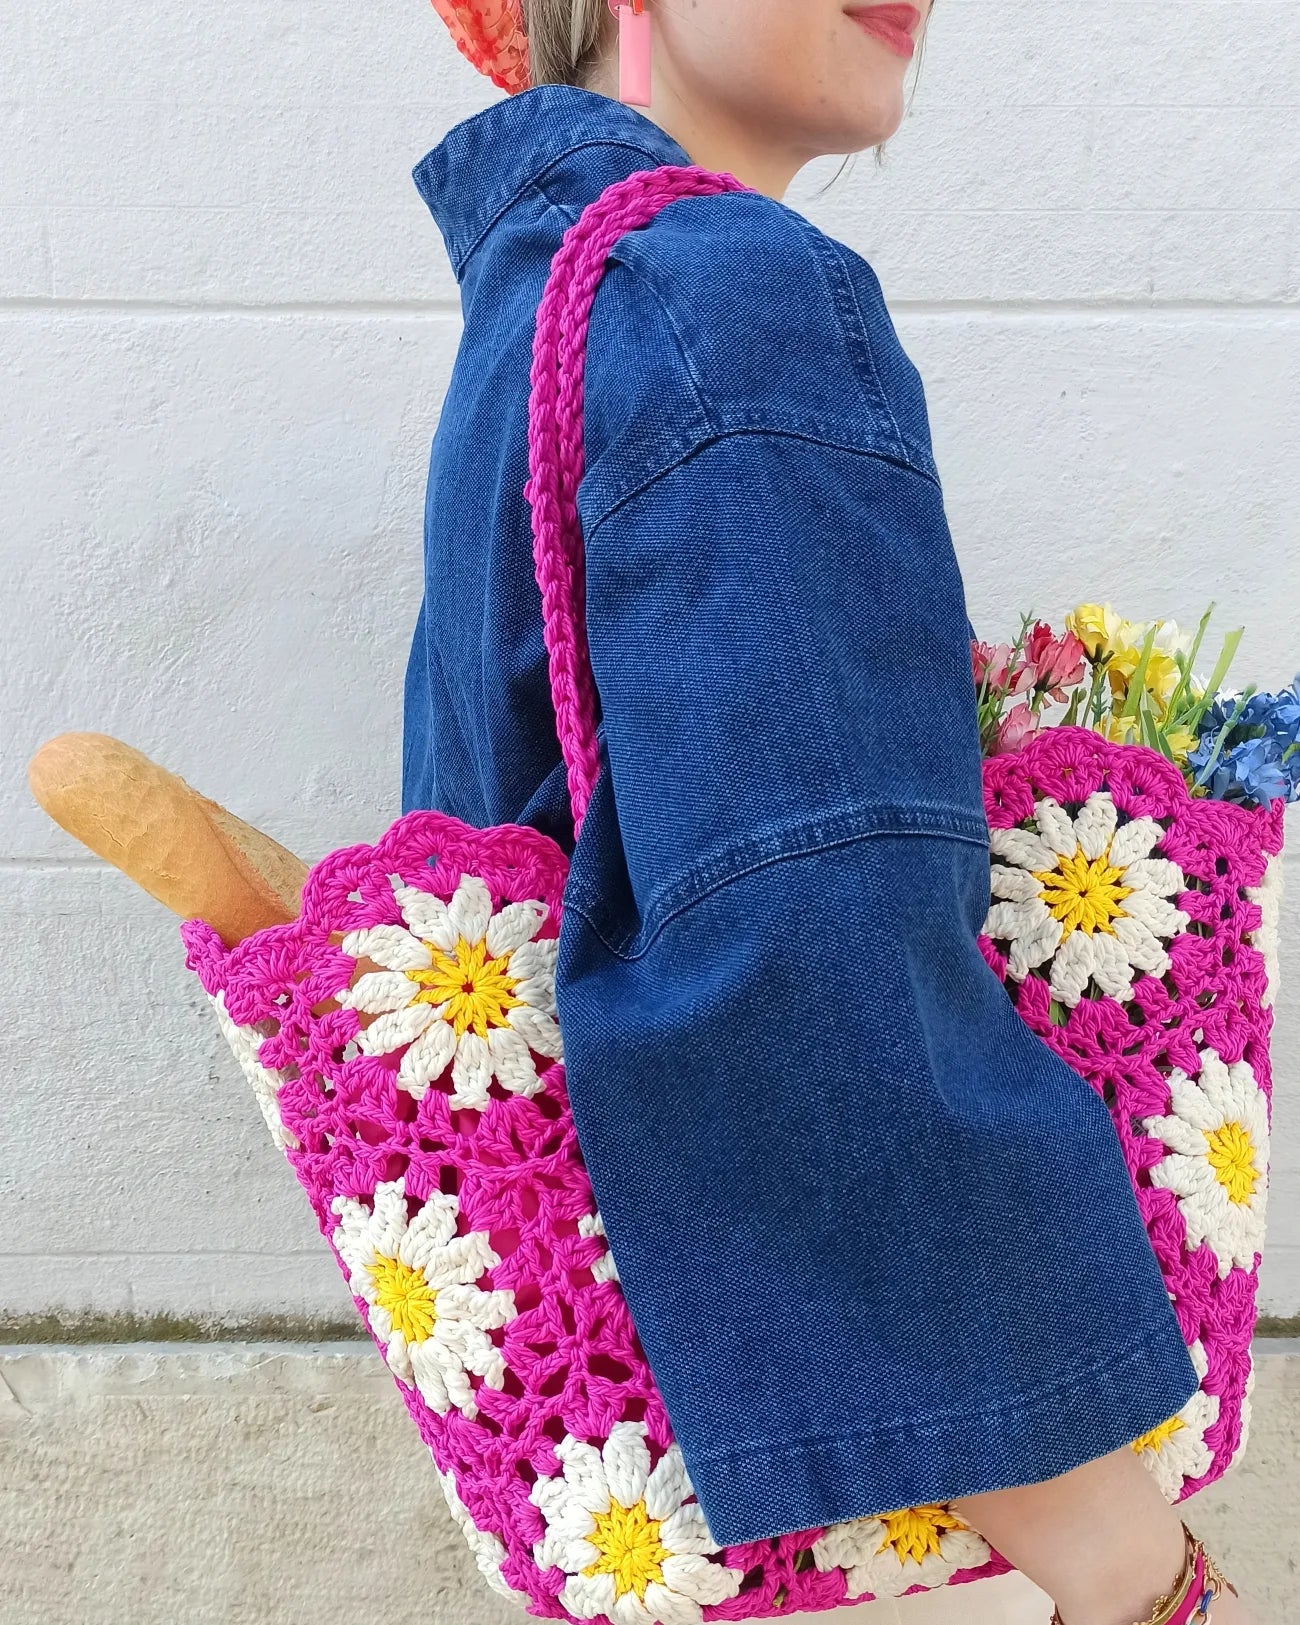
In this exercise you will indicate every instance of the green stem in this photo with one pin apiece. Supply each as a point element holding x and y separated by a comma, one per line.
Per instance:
<point>1094,691</point>
<point>1203,773</point>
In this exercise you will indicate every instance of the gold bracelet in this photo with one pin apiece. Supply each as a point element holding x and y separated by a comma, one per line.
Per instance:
<point>1172,1603</point>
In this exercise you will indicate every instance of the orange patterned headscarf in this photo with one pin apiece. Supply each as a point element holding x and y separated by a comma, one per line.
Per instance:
<point>491,34</point>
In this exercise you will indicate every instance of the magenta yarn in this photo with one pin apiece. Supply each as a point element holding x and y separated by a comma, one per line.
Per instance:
<point>572,1361</point>
<point>435,1143</point>
<point>1213,1001</point>
<point>555,446</point>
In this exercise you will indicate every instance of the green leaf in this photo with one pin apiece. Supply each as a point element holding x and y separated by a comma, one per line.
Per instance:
<point>1152,734</point>
<point>1187,671</point>
<point>1216,678</point>
<point>1138,681</point>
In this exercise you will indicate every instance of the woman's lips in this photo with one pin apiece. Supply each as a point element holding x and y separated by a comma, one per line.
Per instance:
<point>892,25</point>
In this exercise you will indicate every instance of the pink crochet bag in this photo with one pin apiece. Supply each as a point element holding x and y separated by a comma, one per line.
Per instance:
<point>402,1039</point>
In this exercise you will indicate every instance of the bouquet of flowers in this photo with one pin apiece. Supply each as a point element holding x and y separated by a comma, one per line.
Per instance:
<point>1135,682</point>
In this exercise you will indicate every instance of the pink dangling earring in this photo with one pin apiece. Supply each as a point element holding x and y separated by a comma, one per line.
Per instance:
<point>633,51</point>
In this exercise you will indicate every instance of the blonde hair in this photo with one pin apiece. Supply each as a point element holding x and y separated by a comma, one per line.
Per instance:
<point>566,39</point>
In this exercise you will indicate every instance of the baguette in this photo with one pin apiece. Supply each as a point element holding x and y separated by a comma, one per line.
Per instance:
<point>185,850</point>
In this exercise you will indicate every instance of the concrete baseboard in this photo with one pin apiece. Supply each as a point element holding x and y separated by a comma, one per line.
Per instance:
<point>279,1484</point>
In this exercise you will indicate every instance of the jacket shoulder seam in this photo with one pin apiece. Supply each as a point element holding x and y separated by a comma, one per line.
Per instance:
<point>853,324</point>
<point>682,448</point>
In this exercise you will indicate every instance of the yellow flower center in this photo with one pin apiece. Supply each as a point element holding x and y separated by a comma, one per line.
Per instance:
<point>1232,1156</point>
<point>476,990</point>
<point>1084,893</point>
<point>627,1539</point>
<point>916,1532</point>
<point>1158,1437</point>
<point>407,1296</point>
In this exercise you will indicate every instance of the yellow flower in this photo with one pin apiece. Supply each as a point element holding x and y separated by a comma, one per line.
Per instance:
<point>628,1547</point>
<point>1162,672</point>
<point>1128,731</point>
<point>1121,730</point>
<point>917,1532</point>
<point>1103,632</point>
<point>1093,625</point>
<point>1083,893</point>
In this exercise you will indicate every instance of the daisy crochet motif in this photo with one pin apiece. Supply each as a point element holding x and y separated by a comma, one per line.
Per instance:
<point>424,1110</point>
<point>1217,1135</point>
<point>887,1555</point>
<point>631,1544</point>
<point>418,1279</point>
<point>487,1550</point>
<point>460,985</point>
<point>1086,894</point>
<point>1177,1450</point>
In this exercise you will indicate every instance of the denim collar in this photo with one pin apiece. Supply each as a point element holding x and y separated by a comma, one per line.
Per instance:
<point>483,163</point>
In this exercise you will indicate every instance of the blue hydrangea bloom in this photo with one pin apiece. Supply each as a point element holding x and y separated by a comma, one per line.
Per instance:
<point>1253,764</point>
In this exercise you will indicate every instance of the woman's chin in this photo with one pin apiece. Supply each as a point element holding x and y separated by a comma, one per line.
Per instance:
<point>877,125</point>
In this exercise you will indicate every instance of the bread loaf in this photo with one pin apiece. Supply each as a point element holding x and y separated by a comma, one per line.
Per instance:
<point>185,850</point>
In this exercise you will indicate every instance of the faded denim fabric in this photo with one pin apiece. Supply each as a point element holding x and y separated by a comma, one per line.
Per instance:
<point>878,1240</point>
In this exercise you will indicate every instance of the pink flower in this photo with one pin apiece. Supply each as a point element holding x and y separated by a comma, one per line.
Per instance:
<point>1057,663</point>
<point>995,660</point>
<point>1015,730</point>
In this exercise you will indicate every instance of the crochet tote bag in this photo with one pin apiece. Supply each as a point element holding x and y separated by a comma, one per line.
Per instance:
<point>402,1040</point>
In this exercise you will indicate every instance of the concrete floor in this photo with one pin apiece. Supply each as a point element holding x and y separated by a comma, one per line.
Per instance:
<point>274,1484</point>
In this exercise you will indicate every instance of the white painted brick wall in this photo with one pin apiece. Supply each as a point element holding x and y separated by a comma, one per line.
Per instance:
<point>226,324</point>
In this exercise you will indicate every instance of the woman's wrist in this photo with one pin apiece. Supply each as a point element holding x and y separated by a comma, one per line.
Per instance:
<point>1190,1601</point>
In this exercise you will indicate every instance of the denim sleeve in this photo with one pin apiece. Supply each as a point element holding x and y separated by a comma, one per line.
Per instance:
<point>780,642</point>
<point>878,1240</point>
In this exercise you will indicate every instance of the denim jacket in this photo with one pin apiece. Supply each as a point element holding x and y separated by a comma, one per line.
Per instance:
<point>878,1241</point>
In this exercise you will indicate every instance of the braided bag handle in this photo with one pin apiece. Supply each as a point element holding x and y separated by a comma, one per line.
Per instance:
<point>555,442</point>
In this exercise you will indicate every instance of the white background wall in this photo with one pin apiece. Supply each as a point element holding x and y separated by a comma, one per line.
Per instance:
<point>226,323</point>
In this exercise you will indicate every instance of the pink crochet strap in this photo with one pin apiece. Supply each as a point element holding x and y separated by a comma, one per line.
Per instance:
<point>555,442</point>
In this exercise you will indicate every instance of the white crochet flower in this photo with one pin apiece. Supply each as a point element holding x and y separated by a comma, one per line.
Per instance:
<point>1217,1159</point>
<point>460,984</point>
<point>245,1043</point>
<point>489,1553</point>
<point>1268,894</point>
<point>1176,1450</point>
<point>633,1545</point>
<point>887,1555</point>
<point>604,1268</point>
<point>1086,894</point>
<point>418,1278</point>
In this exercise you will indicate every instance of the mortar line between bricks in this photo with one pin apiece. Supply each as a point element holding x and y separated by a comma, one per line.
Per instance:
<point>443,310</point>
<point>19,305</point>
<point>41,1257</point>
